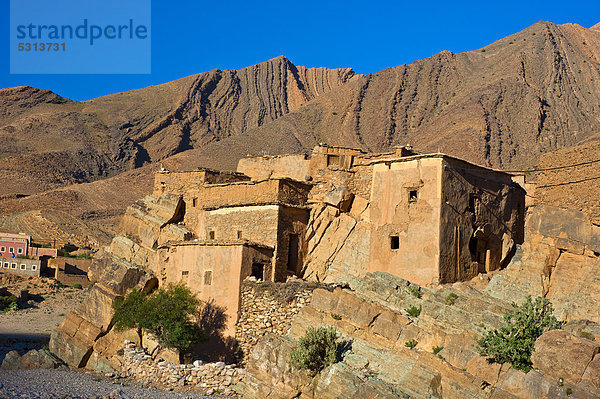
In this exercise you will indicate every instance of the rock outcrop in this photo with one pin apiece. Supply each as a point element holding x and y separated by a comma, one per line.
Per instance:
<point>559,260</point>
<point>86,337</point>
<point>377,362</point>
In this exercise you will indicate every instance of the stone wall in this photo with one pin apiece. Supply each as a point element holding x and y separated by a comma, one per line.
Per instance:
<point>209,378</point>
<point>576,185</point>
<point>269,308</point>
<point>293,166</point>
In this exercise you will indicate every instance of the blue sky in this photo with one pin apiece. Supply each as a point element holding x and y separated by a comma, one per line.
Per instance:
<point>195,36</point>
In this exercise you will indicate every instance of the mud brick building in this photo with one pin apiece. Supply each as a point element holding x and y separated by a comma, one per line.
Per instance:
<point>332,216</point>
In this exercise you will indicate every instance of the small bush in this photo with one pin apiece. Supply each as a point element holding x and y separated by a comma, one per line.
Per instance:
<point>336,316</point>
<point>413,310</point>
<point>569,391</point>
<point>451,298</point>
<point>411,343</point>
<point>415,291</point>
<point>316,350</point>
<point>437,349</point>
<point>515,342</point>
<point>587,335</point>
<point>78,286</point>
<point>8,303</point>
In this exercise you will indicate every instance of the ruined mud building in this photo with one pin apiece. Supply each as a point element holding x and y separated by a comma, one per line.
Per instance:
<point>334,215</point>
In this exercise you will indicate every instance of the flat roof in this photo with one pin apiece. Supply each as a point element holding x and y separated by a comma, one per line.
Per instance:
<point>434,155</point>
<point>216,243</point>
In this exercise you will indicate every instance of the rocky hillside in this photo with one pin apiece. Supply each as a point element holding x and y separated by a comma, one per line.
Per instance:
<point>503,106</point>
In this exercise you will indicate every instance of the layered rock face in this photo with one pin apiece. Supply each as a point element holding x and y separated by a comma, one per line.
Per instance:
<point>559,260</point>
<point>377,363</point>
<point>86,337</point>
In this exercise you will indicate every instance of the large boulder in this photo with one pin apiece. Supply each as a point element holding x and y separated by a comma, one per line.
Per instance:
<point>85,338</point>
<point>560,354</point>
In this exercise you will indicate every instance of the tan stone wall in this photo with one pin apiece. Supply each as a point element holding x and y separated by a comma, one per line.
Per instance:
<point>294,166</point>
<point>415,224</point>
<point>573,187</point>
<point>229,264</point>
<point>176,182</point>
<point>482,213</point>
<point>247,193</point>
<point>257,223</point>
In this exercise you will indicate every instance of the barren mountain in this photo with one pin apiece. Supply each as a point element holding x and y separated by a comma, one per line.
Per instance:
<point>503,106</point>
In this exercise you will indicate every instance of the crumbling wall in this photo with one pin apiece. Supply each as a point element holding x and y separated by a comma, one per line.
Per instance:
<point>178,182</point>
<point>293,166</point>
<point>481,220</point>
<point>268,307</point>
<point>572,180</point>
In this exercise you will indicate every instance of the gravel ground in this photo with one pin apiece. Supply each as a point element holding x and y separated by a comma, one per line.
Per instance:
<point>42,384</point>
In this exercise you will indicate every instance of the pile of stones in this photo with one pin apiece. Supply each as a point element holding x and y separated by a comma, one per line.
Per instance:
<point>209,378</point>
<point>265,310</point>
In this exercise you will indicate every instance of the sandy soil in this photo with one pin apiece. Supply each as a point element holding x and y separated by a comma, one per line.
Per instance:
<point>46,307</point>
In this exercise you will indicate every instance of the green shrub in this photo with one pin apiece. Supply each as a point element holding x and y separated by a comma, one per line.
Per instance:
<point>316,350</point>
<point>413,310</point>
<point>411,343</point>
<point>451,298</point>
<point>336,316</point>
<point>78,286</point>
<point>166,315</point>
<point>569,391</point>
<point>514,342</point>
<point>587,335</point>
<point>8,303</point>
<point>437,349</point>
<point>415,291</point>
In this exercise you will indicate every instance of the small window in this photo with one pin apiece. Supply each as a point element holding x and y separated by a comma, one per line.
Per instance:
<point>412,196</point>
<point>239,234</point>
<point>394,242</point>
<point>334,161</point>
<point>207,277</point>
<point>23,266</point>
<point>11,250</point>
<point>6,265</point>
<point>2,249</point>
<point>184,273</point>
<point>211,235</point>
<point>19,250</point>
<point>13,265</point>
<point>34,267</point>
<point>472,202</point>
<point>194,202</point>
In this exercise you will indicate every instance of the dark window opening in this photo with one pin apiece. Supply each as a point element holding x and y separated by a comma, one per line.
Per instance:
<point>334,161</point>
<point>184,273</point>
<point>394,242</point>
<point>472,202</point>
<point>194,202</point>
<point>239,234</point>
<point>258,270</point>
<point>293,248</point>
<point>211,235</point>
<point>208,277</point>
<point>412,196</point>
